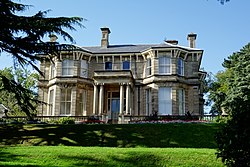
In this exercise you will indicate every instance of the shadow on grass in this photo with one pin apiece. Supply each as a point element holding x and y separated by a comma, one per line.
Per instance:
<point>130,135</point>
<point>126,159</point>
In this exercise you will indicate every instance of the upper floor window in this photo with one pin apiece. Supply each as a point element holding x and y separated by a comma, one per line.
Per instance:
<point>180,67</point>
<point>126,65</point>
<point>164,65</point>
<point>84,69</point>
<point>52,70</point>
<point>108,65</point>
<point>148,67</point>
<point>67,67</point>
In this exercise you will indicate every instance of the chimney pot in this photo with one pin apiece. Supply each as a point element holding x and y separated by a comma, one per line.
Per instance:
<point>105,37</point>
<point>174,42</point>
<point>192,39</point>
<point>53,38</point>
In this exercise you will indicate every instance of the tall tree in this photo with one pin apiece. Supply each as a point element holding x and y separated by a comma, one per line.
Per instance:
<point>24,77</point>
<point>234,138</point>
<point>22,37</point>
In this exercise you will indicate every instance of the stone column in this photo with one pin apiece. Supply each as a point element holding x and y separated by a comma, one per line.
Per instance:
<point>95,100</point>
<point>121,99</point>
<point>101,99</point>
<point>127,99</point>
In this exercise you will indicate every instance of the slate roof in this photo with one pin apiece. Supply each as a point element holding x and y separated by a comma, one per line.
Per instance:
<point>133,48</point>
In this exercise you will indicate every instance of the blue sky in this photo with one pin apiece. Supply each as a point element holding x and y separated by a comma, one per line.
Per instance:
<point>221,29</point>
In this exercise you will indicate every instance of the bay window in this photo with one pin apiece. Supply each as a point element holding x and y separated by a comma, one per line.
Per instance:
<point>67,67</point>
<point>164,65</point>
<point>65,102</point>
<point>84,69</point>
<point>180,67</point>
<point>181,96</point>
<point>165,101</point>
<point>148,67</point>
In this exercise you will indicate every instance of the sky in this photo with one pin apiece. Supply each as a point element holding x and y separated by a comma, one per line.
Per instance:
<point>221,29</point>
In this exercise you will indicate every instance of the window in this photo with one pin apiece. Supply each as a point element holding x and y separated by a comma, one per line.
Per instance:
<point>164,65</point>
<point>67,67</point>
<point>52,70</point>
<point>148,67</point>
<point>51,99</point>
<point>108,65</point>
<point>181,95</point>
<point>165,101</point>
<point>148,102</point>
<point>83,102</point>
<point>84,69</point>
<point>126,65</point>
<point>65,102</point>
<point>180,67</point>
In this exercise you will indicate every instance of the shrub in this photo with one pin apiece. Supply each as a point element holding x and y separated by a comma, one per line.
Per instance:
<point>66,120</point>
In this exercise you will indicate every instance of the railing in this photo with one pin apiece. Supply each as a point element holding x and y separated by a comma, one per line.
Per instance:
<point>121,118</point>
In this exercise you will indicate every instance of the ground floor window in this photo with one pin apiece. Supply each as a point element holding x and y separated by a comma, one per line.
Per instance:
<point>181,96</point>
<point>148,102</point>
<point>51,99</point>
<point>65,107</point>
<point>165,101</point>
<point>83,102</point>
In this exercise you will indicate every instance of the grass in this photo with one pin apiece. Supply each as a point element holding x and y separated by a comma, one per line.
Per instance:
<point>129,135</point>
<point>41,156</point>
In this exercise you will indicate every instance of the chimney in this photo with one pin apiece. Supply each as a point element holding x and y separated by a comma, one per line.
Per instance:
<point>192,38</point>
<point>105,37</point>
<point>53,38</point>
<point>174,42</point>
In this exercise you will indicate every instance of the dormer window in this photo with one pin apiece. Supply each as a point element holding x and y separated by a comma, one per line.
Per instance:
<point>108,65</point>
<point>126,65</point>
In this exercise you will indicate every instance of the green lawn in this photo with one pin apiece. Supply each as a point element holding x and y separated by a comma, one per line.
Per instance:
<point>130,135</point>
<point>39,156</point>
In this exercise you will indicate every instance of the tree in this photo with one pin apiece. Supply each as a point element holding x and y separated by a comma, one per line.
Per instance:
<point>24,77</point>
<point>234,138</point>
<point>22,37</point>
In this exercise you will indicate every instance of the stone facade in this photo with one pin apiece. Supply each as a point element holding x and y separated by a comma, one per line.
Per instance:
<point>121,80</point>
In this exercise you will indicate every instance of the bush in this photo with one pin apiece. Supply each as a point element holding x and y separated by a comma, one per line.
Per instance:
<point>66,120</point>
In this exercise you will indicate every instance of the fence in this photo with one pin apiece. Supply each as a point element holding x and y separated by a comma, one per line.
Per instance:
<point>121,118</point>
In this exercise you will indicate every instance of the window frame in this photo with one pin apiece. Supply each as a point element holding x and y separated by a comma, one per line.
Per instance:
<point>65,101</point>
<point>68,66</point>
<point>108,64</point>
<point>165,65</point>
<point>51,102</point>
<point>84,68</point>
<point>181,99</point>
<point>165,105</point>
<point>180,67</point>
<point>124,63</point>
<point>149,67</point>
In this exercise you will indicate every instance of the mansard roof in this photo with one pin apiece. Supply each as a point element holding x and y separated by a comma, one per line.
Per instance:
<point>131,48</point>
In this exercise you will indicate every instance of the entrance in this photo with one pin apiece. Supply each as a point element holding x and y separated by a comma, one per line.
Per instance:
<point>115,108</point>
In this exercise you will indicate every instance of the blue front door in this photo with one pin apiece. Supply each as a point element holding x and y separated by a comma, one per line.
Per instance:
<point>115,108</point>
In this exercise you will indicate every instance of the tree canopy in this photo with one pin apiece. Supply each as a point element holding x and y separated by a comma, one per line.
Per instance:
<point>22,38</point>
<point>232,93</point>
<point>26,79</point>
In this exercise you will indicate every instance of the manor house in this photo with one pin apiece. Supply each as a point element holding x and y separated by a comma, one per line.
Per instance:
<point>115,81</point>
